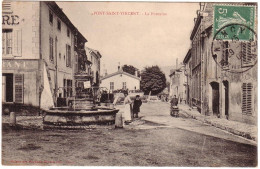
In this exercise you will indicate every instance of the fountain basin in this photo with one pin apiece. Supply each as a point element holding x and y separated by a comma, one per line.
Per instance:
<point>79,117</point>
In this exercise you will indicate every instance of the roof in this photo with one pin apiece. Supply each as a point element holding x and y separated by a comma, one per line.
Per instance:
<point>176,70</point>
<point>187,57</point>
<point>96,52</point>
<point>195,28</point>
<point>120,72</point>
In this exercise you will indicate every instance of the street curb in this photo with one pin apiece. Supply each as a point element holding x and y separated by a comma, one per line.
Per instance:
<point>246,135</point>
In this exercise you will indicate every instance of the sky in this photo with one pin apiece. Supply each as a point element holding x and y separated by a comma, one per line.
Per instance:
<point>131,36</point>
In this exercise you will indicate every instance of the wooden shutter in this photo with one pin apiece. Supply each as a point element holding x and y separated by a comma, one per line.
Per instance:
<point>247,101</point>
<point>247,56</point>
<point>18,86</point>
<point>17,43</point>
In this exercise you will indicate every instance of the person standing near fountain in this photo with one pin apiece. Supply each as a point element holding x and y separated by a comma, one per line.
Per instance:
<point>136,106</point>
<point>127,111</point>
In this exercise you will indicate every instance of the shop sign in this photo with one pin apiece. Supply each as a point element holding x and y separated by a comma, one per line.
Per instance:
<point>10,20</point>
<point>19,64</point>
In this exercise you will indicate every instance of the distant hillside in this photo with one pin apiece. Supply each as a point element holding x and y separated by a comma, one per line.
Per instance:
<point>166,71</point>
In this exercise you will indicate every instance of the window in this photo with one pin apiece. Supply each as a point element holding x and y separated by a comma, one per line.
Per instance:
<point>225,56</point>
<point>50,17</point>
<point>7,41</point>
<point>248,58</point>
<point>68,32</point>
<point>111,85</point>
<point>68,54</point>
<point>51,48</point>
<point>124,85</point>
<point>58,24</point>
<point>247,97</point>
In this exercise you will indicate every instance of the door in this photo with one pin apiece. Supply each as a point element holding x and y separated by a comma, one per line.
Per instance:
<point>8,87</point>
<point>215,98</point>
<point>226,92</point>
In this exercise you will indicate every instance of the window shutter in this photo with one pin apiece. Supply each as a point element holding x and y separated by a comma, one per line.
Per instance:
<point>18,82</point>
<point>17,43</point>
<point>247,56</point>
<point>247,91</point>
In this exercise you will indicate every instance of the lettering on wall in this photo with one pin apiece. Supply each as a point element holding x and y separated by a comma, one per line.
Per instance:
<point>10,20</point>
<point>21,64</point>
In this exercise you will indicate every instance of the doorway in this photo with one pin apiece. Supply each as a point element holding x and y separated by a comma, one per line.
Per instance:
<point>226,96</point>
<point>215,98</point>
<point>7,87</point>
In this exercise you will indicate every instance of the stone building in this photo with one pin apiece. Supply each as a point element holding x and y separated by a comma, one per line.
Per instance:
<point>94,57</point>
<point>178,83</point>
<point>222,74</point>
<point>38,53</point>
<point>188,73</point>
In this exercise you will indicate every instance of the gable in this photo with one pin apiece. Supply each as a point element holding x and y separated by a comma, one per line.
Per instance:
<point>121,74</point>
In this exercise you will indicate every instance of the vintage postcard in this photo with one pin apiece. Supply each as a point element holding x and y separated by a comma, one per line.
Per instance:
<point>129,84</point>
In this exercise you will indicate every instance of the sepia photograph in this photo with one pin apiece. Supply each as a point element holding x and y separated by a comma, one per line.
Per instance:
<point>138,84</point>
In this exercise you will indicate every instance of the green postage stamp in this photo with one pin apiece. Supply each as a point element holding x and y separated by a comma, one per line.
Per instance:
<point>234,22</point>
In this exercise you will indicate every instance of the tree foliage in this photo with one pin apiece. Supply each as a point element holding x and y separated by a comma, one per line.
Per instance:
<point>153,79</point>
<point>130,69</point>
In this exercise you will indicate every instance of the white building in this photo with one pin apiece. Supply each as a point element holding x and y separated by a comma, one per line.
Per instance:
<point>120,80</point>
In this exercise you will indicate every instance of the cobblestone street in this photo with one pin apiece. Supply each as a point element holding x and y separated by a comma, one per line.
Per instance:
<point>155,139</point>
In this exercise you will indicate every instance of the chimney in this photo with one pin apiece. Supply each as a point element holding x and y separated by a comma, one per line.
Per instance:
<point>118,66</point>
<point>177,63</point>
<point>136,73</point>
<point>105,72</point>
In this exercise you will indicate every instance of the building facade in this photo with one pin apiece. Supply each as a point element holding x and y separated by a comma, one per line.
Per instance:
<point>120,80</point>
<point>38,53</point>
<point>178,83</point>
<point>187,74</point>
<point>215,89</point>
<point>94,57</point>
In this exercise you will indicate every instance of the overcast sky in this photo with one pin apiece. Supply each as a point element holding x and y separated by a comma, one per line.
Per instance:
<point>139,40</point>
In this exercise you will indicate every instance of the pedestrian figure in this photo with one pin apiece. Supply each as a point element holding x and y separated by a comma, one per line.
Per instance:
<point>137,105</point>
<point>127,111</point>
<point>174,101</point>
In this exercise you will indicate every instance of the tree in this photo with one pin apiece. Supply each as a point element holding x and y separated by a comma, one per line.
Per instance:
<point>152,79</point>
<point>130,69</point>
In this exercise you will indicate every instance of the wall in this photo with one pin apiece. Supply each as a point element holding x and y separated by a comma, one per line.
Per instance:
<point>213,73</point>
<point>25,30</point>
<point>95,63</point>
<point>31,78</point>
<point>25,47</point>
<point>118,80</point>
<point>177,84</point>
<point>50,30</point>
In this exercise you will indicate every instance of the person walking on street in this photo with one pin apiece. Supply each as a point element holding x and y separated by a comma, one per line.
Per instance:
<point>127,111</point>
<point>137,105</point>
<point>174,101</point>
